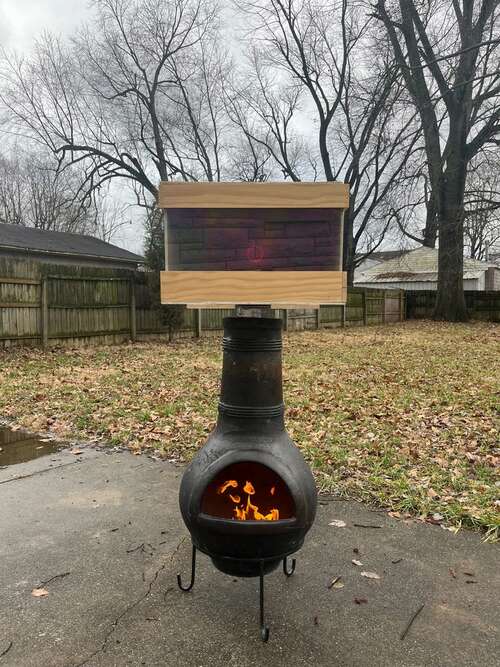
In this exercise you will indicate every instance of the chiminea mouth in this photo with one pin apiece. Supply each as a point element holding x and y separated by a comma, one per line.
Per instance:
<point>248,491</point>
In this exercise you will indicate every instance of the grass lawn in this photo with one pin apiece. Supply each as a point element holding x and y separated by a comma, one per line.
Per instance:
<point>405,416</point>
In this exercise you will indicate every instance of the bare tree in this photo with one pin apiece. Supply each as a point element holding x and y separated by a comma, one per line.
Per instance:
<point>310,70</point>
<point>132,96</point>
<point>34,194</point>
<point>482,208</point>
<point>108,215</point>
<point>448,57</point>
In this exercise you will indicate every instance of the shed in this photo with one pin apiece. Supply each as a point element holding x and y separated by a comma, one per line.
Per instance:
<point>418,270</point>
<point>41,246</point>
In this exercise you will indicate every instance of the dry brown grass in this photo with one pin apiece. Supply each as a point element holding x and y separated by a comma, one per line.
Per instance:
<point>406,416</point>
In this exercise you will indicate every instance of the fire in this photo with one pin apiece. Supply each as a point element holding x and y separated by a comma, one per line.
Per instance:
<point>230,483</point>
<point>247,511</point>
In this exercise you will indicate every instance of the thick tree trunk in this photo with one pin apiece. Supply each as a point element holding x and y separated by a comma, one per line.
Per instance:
<point>450,299</point>
<point>431,223</point>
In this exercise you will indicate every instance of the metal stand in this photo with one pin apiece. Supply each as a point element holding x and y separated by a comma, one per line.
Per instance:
<point>264,630</point>
<point>193,574</point>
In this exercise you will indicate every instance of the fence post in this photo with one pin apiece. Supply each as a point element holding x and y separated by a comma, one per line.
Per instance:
<point>197,323</point>
<point>133,314</point>
<point>44,306</point>
<point>342,314</point>
<point>318,317</point>
<point>383,308</point>
<point>400,305</point>
<point>365,314</point>
<point>285,320</point>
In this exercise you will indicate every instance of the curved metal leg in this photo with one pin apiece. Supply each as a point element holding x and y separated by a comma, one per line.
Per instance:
<point>264,630</point>
<point>287,572</point>
<point>193,573</point>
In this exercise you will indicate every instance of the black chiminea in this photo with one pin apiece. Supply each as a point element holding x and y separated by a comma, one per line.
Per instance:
<point>248,498</point>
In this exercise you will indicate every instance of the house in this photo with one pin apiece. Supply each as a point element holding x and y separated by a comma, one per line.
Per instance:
<point>376,258</point>
<point>40,246</point>
<point>418,270</point>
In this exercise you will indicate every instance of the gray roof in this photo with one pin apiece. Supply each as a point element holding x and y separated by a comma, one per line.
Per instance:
<point>384,255</point>
<point>17,237</point>
<point>419,265</point>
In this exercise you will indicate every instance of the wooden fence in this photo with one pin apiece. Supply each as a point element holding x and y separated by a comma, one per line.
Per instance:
<point>481,305</point>
<point>51,305</point>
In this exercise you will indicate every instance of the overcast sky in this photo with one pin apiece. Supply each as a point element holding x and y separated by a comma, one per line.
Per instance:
<point>22,20</point>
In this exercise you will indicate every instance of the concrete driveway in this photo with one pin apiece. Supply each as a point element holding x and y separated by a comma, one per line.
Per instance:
<point>101,533</point>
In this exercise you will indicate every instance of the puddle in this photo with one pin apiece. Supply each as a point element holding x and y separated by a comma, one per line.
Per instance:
<point>22,446</point>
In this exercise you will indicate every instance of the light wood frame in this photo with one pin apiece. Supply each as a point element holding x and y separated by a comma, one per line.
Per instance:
<point>253,195</point>
<point>280,289</point>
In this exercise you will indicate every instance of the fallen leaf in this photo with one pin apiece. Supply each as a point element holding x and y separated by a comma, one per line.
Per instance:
<point>360,600</point>
<point>452,572</point>
<point>336,583</point>
<point>370,575</point>
<point>39,592</point>
<point>432,520</point>
<point>357,562</point>
<point>469,574</point>
<point>76,452</point>
<point>437,517</point>
<point>338,523</point>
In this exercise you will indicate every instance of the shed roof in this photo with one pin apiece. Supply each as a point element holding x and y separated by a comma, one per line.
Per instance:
<point>419,265</point>
<point>29,239</point>
<point>383,255</point>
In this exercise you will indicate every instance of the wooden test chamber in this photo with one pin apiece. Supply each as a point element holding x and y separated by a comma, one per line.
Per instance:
<point>277,244</point>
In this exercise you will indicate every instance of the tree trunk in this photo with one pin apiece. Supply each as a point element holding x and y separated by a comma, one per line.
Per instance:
<point>450,300</point>
<point>431,223</point>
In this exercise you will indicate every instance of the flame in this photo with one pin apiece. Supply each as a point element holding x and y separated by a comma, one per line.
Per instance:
<point>248,488</point>
<point>249,511</point>
<point>230,483</point>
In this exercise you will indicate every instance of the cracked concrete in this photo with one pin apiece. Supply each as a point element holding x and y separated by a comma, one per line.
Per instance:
<point>111,520</point>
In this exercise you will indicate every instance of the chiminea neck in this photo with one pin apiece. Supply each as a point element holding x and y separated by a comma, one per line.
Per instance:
<point>252,390</point>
